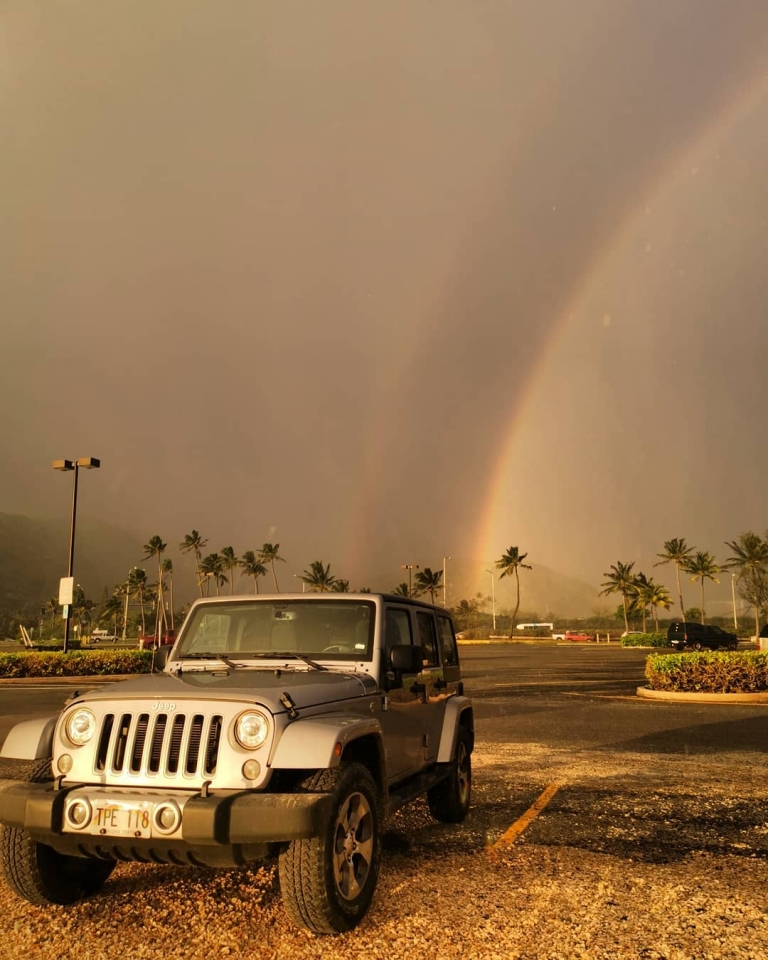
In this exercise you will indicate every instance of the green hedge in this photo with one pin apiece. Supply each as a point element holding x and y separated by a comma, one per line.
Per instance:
<point>708,671</point>
<point>79,663</point>
<point>646,640</point>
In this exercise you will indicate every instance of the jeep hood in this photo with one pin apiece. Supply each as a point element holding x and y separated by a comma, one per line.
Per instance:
<point>305,688</point>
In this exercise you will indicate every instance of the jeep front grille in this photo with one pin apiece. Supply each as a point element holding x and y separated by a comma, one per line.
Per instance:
<point>170,745</point>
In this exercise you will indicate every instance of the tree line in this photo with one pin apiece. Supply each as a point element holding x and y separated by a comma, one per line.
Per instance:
<point>639,593</point>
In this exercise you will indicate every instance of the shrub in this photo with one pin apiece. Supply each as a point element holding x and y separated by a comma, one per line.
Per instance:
<point>708,672</point>
<point>645,640</point>
<point>77,664</point>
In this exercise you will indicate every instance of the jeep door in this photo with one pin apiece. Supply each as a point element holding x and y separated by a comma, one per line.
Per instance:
<point>439,676</point>
<point>403,720</point>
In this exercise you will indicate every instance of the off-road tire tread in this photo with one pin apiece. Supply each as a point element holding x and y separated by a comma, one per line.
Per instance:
<point>302,863</point>
<point>443,799</point>
<point>21,867</point>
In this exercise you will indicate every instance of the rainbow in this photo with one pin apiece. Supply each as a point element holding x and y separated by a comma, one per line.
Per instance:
<point>431,289</point>
<point>494,535</point>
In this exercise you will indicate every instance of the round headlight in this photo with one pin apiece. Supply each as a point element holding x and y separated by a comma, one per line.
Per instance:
<point>80,727</point>
<point>251,729</point>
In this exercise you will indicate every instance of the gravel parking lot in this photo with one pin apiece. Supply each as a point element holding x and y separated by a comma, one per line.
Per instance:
<point>645,851</point>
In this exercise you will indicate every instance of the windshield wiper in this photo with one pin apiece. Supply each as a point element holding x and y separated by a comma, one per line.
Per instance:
<point>279,654</point>
<point>212,656</point>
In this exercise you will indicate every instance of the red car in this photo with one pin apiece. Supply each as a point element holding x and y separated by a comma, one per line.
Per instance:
<point>577,637</point>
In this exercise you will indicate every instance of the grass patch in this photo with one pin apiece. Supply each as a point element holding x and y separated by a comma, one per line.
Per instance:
<point>78,663</point>
<point>708,671</point>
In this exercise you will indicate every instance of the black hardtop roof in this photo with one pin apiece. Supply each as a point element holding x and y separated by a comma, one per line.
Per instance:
<point>325,597</point>
<point>412,602</point>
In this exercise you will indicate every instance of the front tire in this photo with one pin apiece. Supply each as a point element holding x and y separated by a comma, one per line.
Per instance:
<point>41,875</point>
<point>449,800</point>
<point>328,882</point>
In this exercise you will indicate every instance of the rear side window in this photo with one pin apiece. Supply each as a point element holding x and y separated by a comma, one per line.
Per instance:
<point>427,638</point>
<point>398,630</point>
<point>447,642</point>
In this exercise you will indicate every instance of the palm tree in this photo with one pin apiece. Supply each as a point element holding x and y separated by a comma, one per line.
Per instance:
<point>466,613</point>
<point>703,567</point>
<point>639,599</point>
<point>620,579</point>
<point>510,564</point>
<point>52,606</point>
<point>155,548</point>
<point>194,542</point>
<point>750,558</point>
<point>401,590</point>
<point>82,609</point>
<point>168,569</point>
<point>111,610</point>
<point>269,553</point>
<point>340,586</point>
<point>429,582</point>
<point>137,587</point>
<point>656,595</point>
<point>231,561</point>
<point>209,566</point>
<point>318,578</point>
<point>678,552</point>
<point>252,567</point>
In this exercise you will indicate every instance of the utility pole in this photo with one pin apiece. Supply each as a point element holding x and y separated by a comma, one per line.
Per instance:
<point>493,598</point>
<point>410,567</point>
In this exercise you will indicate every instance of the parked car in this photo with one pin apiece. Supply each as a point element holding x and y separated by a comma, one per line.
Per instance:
<point>282,725</point>
<point>682,634</point>
<point>578,636</point>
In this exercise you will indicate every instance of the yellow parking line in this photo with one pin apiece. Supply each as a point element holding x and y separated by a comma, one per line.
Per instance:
<point>530,815</point>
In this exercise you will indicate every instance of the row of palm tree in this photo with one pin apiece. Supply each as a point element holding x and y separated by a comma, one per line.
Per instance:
<point>749,559</point>
<point>214,566</point>
<point>638,592</point>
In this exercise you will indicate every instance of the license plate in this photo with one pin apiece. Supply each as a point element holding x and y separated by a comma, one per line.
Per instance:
<point>122,818</point>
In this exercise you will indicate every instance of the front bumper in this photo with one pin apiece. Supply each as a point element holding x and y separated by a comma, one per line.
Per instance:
<point>223,819</point>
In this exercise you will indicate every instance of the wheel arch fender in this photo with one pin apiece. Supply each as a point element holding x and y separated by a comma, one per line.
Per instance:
<point>320,743</point>
<point>30,739</point>
<point>458,715</point>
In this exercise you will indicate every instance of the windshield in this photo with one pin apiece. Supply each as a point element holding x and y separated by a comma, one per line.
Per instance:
<point>326,630</point>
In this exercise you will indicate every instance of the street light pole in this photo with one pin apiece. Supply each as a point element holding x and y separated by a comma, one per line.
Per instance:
<point>410,567</point>
<point>298,576</point>
<point>444,581</point>
<point>88,463</point>
<point>493,598</point>
<point>733,598</point>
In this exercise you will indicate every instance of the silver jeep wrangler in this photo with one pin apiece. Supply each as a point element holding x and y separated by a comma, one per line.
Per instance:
<point>283,724</point>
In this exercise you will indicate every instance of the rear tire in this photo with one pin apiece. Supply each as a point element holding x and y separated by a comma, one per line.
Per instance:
<point>328,882</point>
<point>41,875</point>
<point>698,645</point>
<point>449,800</point>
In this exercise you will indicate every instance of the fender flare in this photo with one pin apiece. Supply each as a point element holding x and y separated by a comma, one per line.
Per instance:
<point>30,739</point>
<point>458,713</point>
<point>311,744</point>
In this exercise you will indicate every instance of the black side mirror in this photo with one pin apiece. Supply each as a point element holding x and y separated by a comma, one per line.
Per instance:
<point>161,656</point>
<point>406,658</point>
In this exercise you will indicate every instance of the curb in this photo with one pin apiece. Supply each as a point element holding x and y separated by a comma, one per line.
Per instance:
<point>672,695</point>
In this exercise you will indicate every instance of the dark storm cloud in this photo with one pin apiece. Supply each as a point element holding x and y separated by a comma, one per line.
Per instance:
<point>288,269</point>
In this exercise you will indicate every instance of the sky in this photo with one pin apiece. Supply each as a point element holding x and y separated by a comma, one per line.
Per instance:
<point>387,282</point>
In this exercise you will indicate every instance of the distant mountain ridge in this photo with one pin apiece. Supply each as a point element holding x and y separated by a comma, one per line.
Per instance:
<point>34,554</point>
